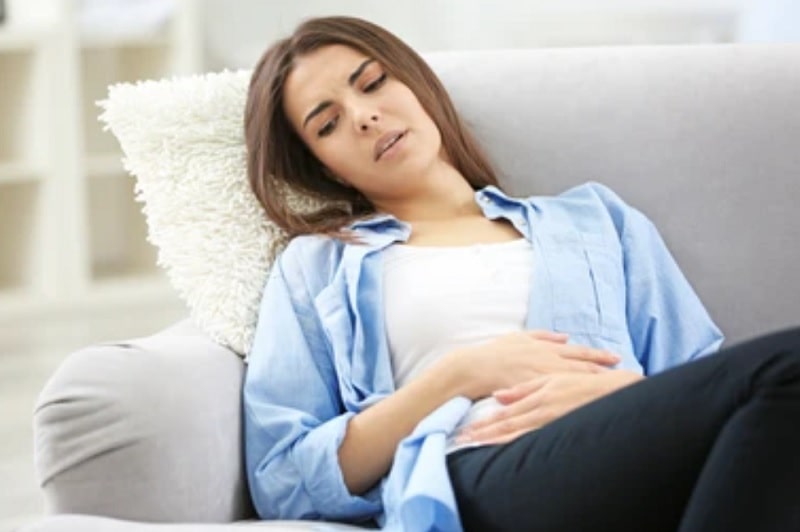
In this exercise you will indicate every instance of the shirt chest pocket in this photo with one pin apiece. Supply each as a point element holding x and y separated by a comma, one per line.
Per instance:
<point>586,283</point>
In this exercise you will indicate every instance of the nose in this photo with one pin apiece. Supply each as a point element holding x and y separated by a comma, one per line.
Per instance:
<point>367,121</point>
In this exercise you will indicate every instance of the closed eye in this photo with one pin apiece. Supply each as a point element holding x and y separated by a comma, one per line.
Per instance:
<point>374,85</point>
<point>328,127</point>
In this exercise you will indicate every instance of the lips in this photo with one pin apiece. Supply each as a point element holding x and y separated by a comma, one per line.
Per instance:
<point>386,141</point>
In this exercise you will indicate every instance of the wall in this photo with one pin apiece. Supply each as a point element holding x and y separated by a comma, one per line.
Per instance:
<point>770,21</point>
<point>235,37</point>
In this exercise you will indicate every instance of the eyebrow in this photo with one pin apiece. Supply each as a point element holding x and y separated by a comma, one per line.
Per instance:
<point>357,72</point>
<point>351,79</point>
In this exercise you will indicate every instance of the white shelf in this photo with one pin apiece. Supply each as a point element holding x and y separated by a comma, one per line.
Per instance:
<point>102,42</point>
<point>23,94</point>
<point>16,302</point>
<point>12,173</point>
<point>118,248</point>
<point>21,209</point>
<point>71,234</point>
<point>152,292</point>
<point>143,287</point>
<point>21,39</point>
<point>101,67</point>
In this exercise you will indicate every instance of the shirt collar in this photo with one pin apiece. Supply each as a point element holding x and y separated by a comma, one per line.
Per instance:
<point>493,200</point>
<point>383,229</point>
<point>497,204</point>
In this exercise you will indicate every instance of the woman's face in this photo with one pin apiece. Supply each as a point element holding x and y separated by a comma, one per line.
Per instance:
<point>367,128</point>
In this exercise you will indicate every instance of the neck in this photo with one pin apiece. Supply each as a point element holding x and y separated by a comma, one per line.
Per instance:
<point>444,195</point>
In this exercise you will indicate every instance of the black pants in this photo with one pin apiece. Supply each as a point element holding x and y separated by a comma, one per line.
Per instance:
<point>713,445</point>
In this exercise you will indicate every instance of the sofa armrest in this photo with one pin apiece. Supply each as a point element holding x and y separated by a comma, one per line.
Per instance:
<point>147,429</point>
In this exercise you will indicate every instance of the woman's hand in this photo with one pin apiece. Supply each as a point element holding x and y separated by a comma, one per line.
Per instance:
<point>516,358</point>
<point>541,400</point>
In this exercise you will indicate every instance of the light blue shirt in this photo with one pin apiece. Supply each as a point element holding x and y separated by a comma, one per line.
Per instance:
<point>602,274</point>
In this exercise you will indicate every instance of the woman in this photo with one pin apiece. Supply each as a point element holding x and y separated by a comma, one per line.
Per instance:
<point>433,354</point>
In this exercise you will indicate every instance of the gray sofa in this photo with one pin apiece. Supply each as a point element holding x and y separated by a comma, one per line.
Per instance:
<point>703,139</point>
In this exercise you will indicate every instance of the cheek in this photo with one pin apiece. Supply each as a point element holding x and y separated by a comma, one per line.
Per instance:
<point>424,120</point>
<point>433,134</point>
<point>335,155</point>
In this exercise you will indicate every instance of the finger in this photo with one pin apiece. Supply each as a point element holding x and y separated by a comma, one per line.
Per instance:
<point>520,391</point>
<point>506,427</point>
<point>510,419</point>
<point>579,366</point>
<point>483,434</point>
<point>495,419</point>
<point>588,354</point>
<point>508,437</point>
<point>549,336</point>
<point>508,396</point>
<point>561,364</point>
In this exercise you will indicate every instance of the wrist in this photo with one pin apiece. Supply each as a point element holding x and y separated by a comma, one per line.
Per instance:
<point>621,378</point>
<point>453,375</point>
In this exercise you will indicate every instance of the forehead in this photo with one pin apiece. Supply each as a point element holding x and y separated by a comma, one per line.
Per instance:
<point>316,75</point>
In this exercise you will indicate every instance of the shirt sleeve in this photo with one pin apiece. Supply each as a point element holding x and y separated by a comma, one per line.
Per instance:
<point>667,322</point>
<point>293,419</point>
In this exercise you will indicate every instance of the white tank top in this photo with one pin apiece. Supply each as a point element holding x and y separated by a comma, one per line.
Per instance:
<point>440,298</point>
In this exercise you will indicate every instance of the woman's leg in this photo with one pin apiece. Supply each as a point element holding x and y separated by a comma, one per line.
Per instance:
<point>711,445</point>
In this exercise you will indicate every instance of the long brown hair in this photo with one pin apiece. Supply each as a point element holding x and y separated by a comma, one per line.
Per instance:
<point>278,161</point>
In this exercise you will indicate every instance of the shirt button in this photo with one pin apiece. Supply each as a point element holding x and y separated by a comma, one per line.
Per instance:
<point>520,221</point>
<point>486,199</point>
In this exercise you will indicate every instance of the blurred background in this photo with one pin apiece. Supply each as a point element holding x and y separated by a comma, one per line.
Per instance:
<point>75,266</point>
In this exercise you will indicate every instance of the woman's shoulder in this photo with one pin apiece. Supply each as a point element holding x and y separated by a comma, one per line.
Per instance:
<point>311,244</point>
<point>591,207</point>
<point>592,191</point>
<point>589,200</point>
<point>588,192</point>
<point>310,256</point>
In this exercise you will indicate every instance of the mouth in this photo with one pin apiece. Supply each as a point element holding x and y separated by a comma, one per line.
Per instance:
<point>386,142</point>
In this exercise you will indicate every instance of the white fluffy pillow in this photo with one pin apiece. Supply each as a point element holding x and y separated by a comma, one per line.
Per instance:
<point>183,140</point>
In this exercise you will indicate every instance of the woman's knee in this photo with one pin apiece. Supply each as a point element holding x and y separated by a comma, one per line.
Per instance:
<point>780,352</point>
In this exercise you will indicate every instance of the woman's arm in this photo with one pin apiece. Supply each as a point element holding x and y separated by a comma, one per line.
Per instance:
<point>306,457</point>
<point>373,435</point>
<point>667,323</point>
<point>293,417</point>
<point>366,453</point>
